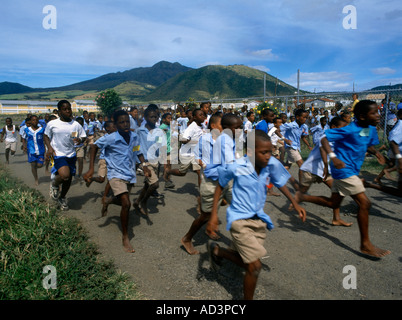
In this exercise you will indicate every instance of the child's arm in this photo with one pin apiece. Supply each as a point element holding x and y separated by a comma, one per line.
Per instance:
<point>50,151</point>
<point>395,149</point>
<point>147,173</point>
<point>213,222</point>
<point>300,210</point>
<point>339,164</point>
<point>379,156</point>
<point>304,138</point>
<point>93,149</point>
<point>2,134</point>
<point>324,157</point>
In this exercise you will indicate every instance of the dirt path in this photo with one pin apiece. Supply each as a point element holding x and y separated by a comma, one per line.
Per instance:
<point>304,261</point>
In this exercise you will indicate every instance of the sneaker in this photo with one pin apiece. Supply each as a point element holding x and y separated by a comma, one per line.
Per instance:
<point>169,184</point>
<point>214,261</point>
<point>54,192</point>
<point>62,203</point>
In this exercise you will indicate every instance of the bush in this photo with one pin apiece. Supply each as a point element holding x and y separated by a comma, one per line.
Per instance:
<point>108,101</point>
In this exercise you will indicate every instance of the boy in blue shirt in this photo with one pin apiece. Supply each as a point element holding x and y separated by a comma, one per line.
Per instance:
<point>266,123</point>
<point>34,145</point>
<point>121,149</point>
<point>350,146</point>
<point>245,217</point>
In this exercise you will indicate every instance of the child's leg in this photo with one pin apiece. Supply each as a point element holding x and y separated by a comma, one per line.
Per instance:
<point>124,214</point>
<point>64,179</point>
<point>7,155</point>
<point>80,161</point>
<point>336,217</point>
<point>34,171</point>
<point>186,241</point>
<point>363,219</point>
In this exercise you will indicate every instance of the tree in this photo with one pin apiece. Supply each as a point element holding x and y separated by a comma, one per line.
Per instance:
<point>108,101</point>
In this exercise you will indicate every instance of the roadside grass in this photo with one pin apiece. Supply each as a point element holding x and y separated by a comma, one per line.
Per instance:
<point>33,235</point>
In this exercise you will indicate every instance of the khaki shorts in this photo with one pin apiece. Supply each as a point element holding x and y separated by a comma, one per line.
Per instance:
<point>293,155</point>
<point>275,150</point>
<point>80,152</point>
<point>186,162</point>
<point>11,145</point>
<point>102,169</point>
<point>120,186</point>
<point>308,178</point>
<point>248,238</point>
<point>89,140</point>
<point>348,187</point>
<point>154,176</point>
<point>207,191</point>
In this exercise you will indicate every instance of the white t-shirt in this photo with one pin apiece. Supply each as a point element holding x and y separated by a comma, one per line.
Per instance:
<point>194,133</point>
<point>61,139</point>
<point>274,137</point>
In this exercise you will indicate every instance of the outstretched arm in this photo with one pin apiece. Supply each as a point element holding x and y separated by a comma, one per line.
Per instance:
<point>212,226</point>
<point>300,210</point>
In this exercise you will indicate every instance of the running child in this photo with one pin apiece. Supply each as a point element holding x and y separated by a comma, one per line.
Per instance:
<point>165,126</point>
<point>61,136</point>
<point>245,216</point>
<point>121,151</point>
<point>79,150</point>
<point>150,141</point>
<point>350,145</point>
<point>266,123</point>
<point>315,168</point>
<point>34,145</point>
<point>11,132</point>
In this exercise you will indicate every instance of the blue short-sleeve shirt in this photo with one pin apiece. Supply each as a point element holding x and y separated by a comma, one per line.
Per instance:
<point>120,157</point>
<point>250,189</point>
<point>350,146</point>
<point>294,132</point>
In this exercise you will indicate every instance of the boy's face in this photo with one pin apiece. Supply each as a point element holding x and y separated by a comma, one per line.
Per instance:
<point>199,117</point>
<point>269,117</point>
<point>302,118</point>
<point>284,118</point>
<point>263,151</point>
<point>34,122</point>
<point>372,117</point>
<point>65,111</point>
<point>278,123</point>
<point>323,122</point>
<point>92,117</point>
<point>28,123</point>
<point>152,118</point>
<point>111,128</point>
<point>9,122</point>
<point>235,126</point>
<point>217,125</point>
<point>134,113</point>
<point>252,117</point>
<point>123,123</point>
<point>168,119</point>
<point>347,118</point>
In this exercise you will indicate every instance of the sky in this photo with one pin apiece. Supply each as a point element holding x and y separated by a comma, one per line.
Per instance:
<point>337,45</point>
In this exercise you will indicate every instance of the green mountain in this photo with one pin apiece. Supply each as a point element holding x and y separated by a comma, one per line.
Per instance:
<point>13,87</point>
<point>217,81</point>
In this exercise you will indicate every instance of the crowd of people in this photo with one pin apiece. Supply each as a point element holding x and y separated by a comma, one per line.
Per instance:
<point>240,158</point>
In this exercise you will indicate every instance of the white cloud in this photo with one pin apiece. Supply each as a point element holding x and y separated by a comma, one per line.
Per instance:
<point>261,68</point>
<point>383,71</point>
<point>265,54</point>
<point>322,81</point>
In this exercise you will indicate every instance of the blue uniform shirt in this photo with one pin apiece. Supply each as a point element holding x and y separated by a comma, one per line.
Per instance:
<point>119,156</point>
<point>294,132</point>
<point>35,144</point>
<point>350,146</point>
<point>396,135</point>
<point>250,189</point>
<point>263,126</point>
<point>151,142</point>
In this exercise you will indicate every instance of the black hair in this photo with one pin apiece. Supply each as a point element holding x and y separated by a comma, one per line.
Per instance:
<point>107,124</point>
<point>335,121</point>
<point>27,119</point>
<point>165,115</point>
<point>228,120</point>
<point>299,112</point>
<point>362,108</point>
<point>249,114</point>
<point>81,119</point>
<point>276,119</point>
<point>266,111</point>
<point>61,102</point>
<point>214,119</point>
<point>196,110</point>
<point>133,108</point>
<point>151,108</point>
<point>119,113</point>
<point>322,119</point>
<point>258,135</point>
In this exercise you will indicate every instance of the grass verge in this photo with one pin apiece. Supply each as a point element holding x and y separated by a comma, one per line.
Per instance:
<point>33,235</point>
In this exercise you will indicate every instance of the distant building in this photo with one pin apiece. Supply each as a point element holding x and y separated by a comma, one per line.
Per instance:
<point>319,103</point>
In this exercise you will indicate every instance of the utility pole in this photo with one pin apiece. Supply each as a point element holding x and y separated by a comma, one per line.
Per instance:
<point>298,85</point>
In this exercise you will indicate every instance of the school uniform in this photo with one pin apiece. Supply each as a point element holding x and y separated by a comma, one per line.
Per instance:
<point>214,153</point>
<point>188,150</point>
<point>350,146</point>
<point>317,132</point>
<point>61,140</point>
<point>264,126</point>
<point>120,158</point>
<point>396,135</point>
<point>35,145</point>
<point>245,217</point>
<point>150,144</point>
<point>11,139</point>
<point>294,133</point>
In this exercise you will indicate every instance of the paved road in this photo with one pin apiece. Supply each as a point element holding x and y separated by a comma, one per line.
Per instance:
<point>304,260</point>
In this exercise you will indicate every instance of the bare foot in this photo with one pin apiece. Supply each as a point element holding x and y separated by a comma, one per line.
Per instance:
<point>341,223</point>
<point>388,175</point>
<point>271,193</point>
<point>36,183</point>
<point>127,246</point>
<point>213,237</point>
<point>373,251</point>
<point>377,181</point>
<point>88,183</point>
<point>105,204</point>
<point>188,245</point>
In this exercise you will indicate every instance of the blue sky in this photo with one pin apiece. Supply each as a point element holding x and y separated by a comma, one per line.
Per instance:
<point>97,37</point>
